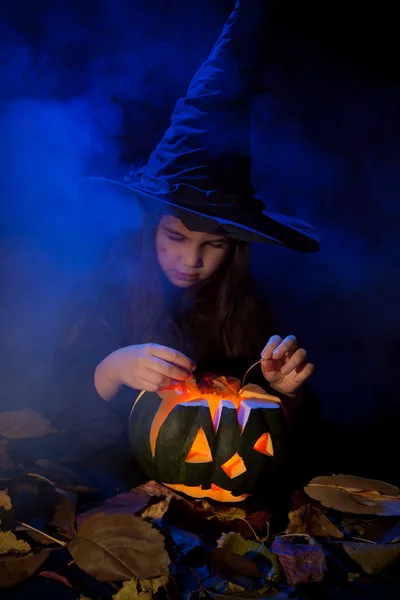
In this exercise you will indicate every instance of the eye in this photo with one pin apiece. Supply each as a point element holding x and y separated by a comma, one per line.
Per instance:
<point>218,245</point>
<point>174,238</point>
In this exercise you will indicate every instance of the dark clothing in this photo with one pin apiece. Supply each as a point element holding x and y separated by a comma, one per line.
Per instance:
<point>94,433</point>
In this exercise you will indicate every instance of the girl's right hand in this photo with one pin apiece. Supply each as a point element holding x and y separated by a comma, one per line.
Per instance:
<point>148,367</point>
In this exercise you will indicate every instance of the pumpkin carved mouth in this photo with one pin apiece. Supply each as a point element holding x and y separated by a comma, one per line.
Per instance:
<point>214,492</point>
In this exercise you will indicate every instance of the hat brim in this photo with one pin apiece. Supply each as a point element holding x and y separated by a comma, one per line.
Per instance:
<point>265,227</point>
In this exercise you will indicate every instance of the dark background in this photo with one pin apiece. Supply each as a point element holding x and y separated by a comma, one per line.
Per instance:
<point>90,86</point>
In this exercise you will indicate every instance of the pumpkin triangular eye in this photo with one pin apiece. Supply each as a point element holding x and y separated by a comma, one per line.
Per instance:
<point>234,466</point>
<point>200,451</point>
<point>264,445</point>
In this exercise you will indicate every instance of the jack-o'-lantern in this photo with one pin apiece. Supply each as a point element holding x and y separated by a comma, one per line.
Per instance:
<point>210,438</point>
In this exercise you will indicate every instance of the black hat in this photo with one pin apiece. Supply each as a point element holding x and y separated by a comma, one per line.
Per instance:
<point>200,170</point>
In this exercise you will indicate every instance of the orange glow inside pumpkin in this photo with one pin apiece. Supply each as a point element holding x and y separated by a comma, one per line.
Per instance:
<point>264,445</point>
<point>214,492</point>
<point>234,466</point>
<point>200,452</point>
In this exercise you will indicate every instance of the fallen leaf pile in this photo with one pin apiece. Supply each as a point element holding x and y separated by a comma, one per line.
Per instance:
<point>153,543</point>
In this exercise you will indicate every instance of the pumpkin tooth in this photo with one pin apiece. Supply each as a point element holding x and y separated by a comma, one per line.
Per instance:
<point>246,406</point>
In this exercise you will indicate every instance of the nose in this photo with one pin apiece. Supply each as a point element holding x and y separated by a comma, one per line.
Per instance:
<point>193,257</point>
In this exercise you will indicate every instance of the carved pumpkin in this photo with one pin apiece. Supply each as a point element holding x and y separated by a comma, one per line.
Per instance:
<point>210,439</point>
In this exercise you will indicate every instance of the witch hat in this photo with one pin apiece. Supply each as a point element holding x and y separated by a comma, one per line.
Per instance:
<point>200,170</point>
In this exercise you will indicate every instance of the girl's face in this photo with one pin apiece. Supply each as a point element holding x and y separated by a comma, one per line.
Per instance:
<point>185,256</point>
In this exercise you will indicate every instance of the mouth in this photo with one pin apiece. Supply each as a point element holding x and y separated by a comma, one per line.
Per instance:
<point>185,276</point>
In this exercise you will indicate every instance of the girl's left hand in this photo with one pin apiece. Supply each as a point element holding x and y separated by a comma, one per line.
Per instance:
<point>284,365</point>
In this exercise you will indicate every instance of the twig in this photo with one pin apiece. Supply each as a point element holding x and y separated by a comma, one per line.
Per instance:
<point>42,533</point>
<point>254,533</point>
<point>248,371</point>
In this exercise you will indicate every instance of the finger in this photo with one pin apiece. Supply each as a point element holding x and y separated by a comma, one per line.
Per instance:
<point>296,359</point>
<point>172,356</point>
<point>157,379</point>
<point>304,372</point>
<point>167,370</point>
<point>289,344</point>
<point>269,366</point>
<point>273,343</point>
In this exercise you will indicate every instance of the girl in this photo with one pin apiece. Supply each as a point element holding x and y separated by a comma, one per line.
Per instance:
<point>176,297</point>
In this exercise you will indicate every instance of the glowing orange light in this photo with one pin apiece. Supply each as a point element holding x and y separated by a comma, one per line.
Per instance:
<point>264,445</point>
<point>234,466</point>
<point>200,452</point>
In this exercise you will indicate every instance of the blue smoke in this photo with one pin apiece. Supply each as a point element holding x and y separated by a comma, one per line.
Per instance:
<point>81,86</point>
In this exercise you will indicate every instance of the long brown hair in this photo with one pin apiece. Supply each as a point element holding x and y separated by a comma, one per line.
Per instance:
<point>222,316</point>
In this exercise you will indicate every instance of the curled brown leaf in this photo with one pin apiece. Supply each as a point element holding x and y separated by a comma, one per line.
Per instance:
<point>10,543</point>
<point>17,568</point>
<point>310,519</point>
<point>372,558</point>
<point>119,547</point>
<point>25,423</point>
<point>302,563</point>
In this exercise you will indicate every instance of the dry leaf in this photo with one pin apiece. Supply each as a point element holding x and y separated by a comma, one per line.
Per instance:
<point>342,500</point>
<point>37,536</point>
<point>227,563</point>
<point>61,476</point>
<point>254,523</point>
<point>152,585</point>
<point>235,543</point>
<point>158,510</point>
<point>372,558</point>
<point>126,503</point>
<point>119,547</point>
<point>302,563</point>
<point>130,591</point>
<point>10,543</point>
<point>26,423</point>
<point>64,513</point>
<point>310,519</point>
<point>267,592</point>
<point>33,497</point>
<point>5,500</point>
<point>231,513</point>
<point>17,568</point>
<point>237,592</point>
<point>152,488</point>
<point>353,483</point>
<point>140,588</point>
